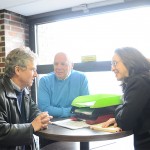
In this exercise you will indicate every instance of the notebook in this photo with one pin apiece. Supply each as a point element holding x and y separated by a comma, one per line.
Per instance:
<point>69,123</point>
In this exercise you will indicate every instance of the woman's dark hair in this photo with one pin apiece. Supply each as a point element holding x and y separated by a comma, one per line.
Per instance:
<point>134,61</point>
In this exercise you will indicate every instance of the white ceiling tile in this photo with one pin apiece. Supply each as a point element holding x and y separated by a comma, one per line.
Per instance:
<point>32,7</point>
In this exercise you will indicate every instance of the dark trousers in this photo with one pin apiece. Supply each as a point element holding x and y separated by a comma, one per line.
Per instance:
<point>142,142</point>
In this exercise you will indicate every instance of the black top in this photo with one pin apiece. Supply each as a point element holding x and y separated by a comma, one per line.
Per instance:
<point>134,114</point>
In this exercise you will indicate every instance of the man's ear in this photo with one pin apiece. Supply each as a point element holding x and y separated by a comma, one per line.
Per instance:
<point>17,69</point>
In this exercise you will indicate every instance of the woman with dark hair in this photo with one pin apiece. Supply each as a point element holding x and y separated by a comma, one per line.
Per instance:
<point>133,69</point>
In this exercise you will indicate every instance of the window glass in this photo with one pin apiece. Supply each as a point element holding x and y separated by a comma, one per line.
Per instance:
<point>103,82</point>
<point>95,35</point>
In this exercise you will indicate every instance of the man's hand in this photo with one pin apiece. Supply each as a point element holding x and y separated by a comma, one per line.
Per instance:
<point>41,121</point>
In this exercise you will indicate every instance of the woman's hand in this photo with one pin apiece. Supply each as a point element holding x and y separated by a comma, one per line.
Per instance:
<point>109,122</point>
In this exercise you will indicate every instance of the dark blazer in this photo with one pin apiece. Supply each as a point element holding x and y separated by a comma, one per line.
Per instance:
<point>15,126</point>
<point>134,114</point>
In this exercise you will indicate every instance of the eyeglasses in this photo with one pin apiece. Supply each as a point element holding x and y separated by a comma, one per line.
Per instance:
<point>114,63</point>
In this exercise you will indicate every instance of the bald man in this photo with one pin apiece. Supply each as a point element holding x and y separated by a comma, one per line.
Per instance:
<point>58,89</point>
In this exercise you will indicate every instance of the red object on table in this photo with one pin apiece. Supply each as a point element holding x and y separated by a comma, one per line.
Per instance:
<point>100,119</point>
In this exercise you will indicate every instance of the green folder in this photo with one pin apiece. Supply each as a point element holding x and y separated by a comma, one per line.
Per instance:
<point>97,100</point>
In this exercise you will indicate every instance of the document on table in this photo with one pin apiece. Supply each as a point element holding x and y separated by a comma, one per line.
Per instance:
<point>68,123</point>
<point>111,129</point>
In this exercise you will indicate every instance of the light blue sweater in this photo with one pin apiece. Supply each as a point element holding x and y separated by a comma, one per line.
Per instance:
<point>56,96</point>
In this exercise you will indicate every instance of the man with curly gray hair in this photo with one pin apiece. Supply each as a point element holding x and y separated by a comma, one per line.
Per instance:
<point>20,117</point>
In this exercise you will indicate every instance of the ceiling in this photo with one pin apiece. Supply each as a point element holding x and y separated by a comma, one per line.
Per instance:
<point>32,7</point>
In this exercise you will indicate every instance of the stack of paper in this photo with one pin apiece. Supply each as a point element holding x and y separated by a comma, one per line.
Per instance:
<point>68,123</point>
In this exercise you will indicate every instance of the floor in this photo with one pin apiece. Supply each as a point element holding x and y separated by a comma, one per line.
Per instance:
<point>125,143</point>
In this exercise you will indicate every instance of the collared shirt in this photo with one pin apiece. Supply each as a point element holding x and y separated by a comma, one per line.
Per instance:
<point>15,86</point>
<point>19,93</point>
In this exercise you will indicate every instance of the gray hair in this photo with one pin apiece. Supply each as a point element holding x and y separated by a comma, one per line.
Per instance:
<point>18,57</point>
